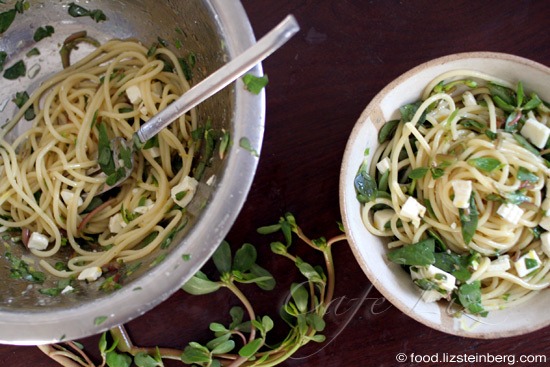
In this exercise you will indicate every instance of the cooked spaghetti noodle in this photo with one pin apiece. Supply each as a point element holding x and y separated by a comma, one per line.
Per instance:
<point>466,168</point>
<point>49,183</point>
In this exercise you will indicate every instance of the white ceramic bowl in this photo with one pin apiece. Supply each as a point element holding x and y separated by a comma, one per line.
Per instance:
<point>370,251</point>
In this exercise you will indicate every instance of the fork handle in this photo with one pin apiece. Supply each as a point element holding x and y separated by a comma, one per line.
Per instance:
<point>228,73</point>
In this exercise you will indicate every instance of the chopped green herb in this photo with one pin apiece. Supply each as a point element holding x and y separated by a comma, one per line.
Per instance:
<point>6,19</point>
<point>20,99</point>
<point>16,70</point>
<point>32,52</point>
<point>79,11</point>
<point>469,220</point>
<point>100,320</point>
<point>486,164</point>
<point>245,144</point>
<point>254,84</point>
<point>387,131</point>
<point>418,173</point>
<point>3,56</point>
<point>418,254</point>
<point>43,32</point>
<point>469,295</point>
<point>365,185</point>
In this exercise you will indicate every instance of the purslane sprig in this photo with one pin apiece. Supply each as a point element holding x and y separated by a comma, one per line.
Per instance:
<point>243,342</point>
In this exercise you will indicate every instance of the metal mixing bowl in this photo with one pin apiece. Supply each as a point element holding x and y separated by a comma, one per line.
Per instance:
<point>215,31</point>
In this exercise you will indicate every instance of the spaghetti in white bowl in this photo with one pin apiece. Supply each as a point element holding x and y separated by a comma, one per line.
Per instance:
<point>443,189</point>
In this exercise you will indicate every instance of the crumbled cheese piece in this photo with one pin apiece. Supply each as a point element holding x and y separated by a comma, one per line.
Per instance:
<point>67,289</point>
<point>183,192</point>
<point>468,99</point>
<point>38,241</point>
<point>413,210</point>
<point>155,152</point>
<point>134,94</point>
<point>444,281</point>
<point>453,225</point>
<point>527,263</point>
<point>116,223</point>
<point>501,263</point>
<point>381,217</point>
<point>462,190</point>
<point>545,243</point>
<point>90,274</point>
<point>384,165</point>
<point>142,209</point>
<point>211,180</point>
<point>68,196</point>
<point>535,132</point>
<point>510,212</point>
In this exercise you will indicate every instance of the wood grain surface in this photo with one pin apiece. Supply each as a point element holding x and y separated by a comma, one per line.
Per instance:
<point>345,52</point>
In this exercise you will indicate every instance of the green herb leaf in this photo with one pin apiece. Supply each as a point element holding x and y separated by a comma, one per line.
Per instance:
<point>15,71</point>
<point>245,144</point>
<point>454,264</point>
<point>418,173</point>
<point>3,57</point>
<point>365,185</point>
<point>199,284</point>
<point>6,19</point>
<point>143,359</point>
<point>254,84</point>
<point>224,347</point>
<point>468,220</point>
<point>525,175</point>
<point>469,295</point>
<point>419,254</point>
<point>408,111</point>
<point>251,348</point>
<point>196,353</point>
<point>222,258</point>
<point>43,32</point>
<point>245,257</point>
<point>114,359</point>
<point>503,94</point>
<point>387,131</point>
<point>79,11</point>
<point>263,279</point>
<point>486,164</point>
<point>525,144</point>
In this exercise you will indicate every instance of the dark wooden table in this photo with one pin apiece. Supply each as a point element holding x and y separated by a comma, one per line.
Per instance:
<point>320,82</point>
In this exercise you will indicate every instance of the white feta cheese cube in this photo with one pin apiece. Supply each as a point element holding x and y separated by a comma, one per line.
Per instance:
<point>384,165</point>
<point>134,94</point>
<point>68,196</point>
<point>413,210</point>
<point>501,263</point>
<point>116,223</point>
<point>468,99</point>
<point>545,243</point>
<point>535,132</point>
<point>67,289</point>
<point>510,212</point>
<point>90,274</point>
<point>462,191</point>
<point>38,241</point>
<point>142,209</point>
<point>527,263</point>
<point>444,281</point>
<point>183,192</point>
<point>381,217</point>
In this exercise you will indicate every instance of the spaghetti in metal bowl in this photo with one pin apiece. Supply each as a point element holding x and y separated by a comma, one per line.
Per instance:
<point>459,183</point>
<point>50,197</point>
